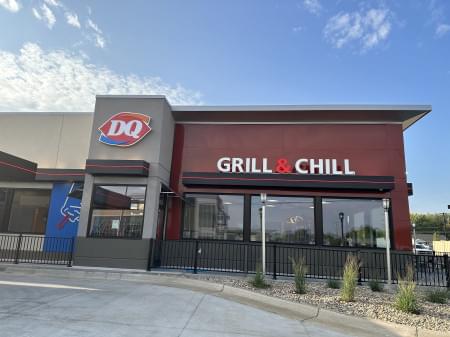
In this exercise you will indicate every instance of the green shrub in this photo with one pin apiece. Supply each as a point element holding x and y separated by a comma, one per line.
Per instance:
<point>437,296</point>
<point>259,280</point>
<point>300,270</point>
<point>350,278</point>
<point>406,299</point>
<point>333,284</point>
<point>376,285</point>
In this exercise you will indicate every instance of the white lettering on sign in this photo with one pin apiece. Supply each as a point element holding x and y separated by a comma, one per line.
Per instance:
<point>131,128</point>
<point>301,166</point>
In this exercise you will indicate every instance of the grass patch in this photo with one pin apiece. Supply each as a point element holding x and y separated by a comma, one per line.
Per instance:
<point>406,299</point>
<point>259,280</point>
<point>333,284</point>
<point>349,278</point>
<point>300,270</point>
<point>437,296</point>
<point>376,285</point>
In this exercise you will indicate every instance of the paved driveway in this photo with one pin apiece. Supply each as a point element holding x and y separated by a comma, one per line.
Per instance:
<point>42,306</point>
<point>47,305</point>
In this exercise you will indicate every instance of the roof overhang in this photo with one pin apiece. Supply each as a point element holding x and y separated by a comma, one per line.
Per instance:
<point>320,114</point>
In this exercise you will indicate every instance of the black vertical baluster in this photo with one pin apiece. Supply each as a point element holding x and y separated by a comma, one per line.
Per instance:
<point>19,244</point>
<point>71,243</point>
<point>447,269</point>
<point>274,261</point>
<point>196,256</point>
<point>359,268</point>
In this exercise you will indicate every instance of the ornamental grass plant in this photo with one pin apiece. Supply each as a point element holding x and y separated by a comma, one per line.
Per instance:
<point>406,299</point>
<point>437,296</point>
<point>375,285</point>
<point>350,278</point>
<point>300,269</point>
<point>333,284</point>
<point>259,280</point>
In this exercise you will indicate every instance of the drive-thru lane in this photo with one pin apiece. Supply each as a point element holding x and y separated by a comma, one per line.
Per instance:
<point>43,305</point>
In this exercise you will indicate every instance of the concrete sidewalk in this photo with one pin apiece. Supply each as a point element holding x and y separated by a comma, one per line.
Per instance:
<point>163,304</point>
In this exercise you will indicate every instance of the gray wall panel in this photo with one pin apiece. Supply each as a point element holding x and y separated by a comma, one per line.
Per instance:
<point>117,253</point>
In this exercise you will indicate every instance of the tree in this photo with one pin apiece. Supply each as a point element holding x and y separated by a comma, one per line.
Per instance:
<point>430,222</point>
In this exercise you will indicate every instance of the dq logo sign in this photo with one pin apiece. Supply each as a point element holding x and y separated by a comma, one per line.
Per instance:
<point>124,129</point>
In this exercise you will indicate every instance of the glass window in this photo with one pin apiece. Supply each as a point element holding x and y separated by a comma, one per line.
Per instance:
<point>213,216</point>
<point>288,219</point>
<point>29,211</point>
<point>5,205</point>
<point>353,222</point>
<point>117,211</point>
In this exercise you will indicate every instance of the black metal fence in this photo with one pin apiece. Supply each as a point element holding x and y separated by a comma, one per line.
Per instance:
<point>22,248</point>
<point>322,262</point>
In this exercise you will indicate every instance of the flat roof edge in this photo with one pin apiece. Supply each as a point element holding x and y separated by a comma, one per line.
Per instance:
<point>46,112</point>
<point>131,96</point>
<point>325,107</point>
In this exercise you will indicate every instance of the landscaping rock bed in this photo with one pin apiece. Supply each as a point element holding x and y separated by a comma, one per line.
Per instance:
<point>379,305</point>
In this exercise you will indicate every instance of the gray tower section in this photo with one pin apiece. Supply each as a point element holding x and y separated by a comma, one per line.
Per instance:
<point>156,149</point>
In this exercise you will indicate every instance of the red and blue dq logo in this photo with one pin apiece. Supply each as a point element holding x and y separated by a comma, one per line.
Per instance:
<point>124,129</point>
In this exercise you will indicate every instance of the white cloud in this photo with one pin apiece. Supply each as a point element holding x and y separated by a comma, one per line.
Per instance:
<point>48,16</point>
<point>45,14</point>
<point>99,41</point>
<point>297,29</point>
<point>11,5</point>
<point>72,19</point>
<point>53,3</point>
<point>442,29</point>
<point>313,6</point>
<point>38,80</point>
<point>36,14</point>
<point>94,26</point>
<point>97,35</point>
<point>365,28</point>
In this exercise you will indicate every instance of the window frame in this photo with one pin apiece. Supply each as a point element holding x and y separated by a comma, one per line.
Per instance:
<point>183,208</point>
<point>91,209</point>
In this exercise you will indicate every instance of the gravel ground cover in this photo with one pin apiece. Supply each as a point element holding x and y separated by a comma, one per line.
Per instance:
<point>379,305</point>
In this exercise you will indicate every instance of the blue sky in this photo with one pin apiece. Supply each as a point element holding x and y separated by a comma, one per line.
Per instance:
<point>56,55</point>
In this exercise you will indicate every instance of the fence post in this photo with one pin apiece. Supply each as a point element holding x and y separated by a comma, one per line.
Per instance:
<point>151,252</point>
<point>196,257</point>
<point>447,269</point>
<point>69,263</point>
<point>274,261</point>
<point>19,244</point>
<point>359,268</point>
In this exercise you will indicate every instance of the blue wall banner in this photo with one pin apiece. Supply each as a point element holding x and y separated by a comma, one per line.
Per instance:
<point>63,216</point>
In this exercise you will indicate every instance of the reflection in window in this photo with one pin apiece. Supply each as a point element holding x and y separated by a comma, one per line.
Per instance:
<point>118,211</point>
<point>353,222</point>
<point>288,219</point>
<point>213,216</point>
<point>29,210</point>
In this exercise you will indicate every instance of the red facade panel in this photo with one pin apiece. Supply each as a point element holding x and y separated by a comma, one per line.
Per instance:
<point>373,150</point>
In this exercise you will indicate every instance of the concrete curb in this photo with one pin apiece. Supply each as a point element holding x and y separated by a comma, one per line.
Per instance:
<point>308,314</point>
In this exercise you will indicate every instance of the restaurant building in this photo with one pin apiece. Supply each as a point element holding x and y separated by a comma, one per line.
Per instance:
<point>139,169</point>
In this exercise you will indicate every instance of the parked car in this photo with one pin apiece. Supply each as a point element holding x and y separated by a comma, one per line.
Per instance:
<point>423,249</point>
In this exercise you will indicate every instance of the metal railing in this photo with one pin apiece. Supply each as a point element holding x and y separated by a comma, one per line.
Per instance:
<point>322,262</point>
<point>23,248</point>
